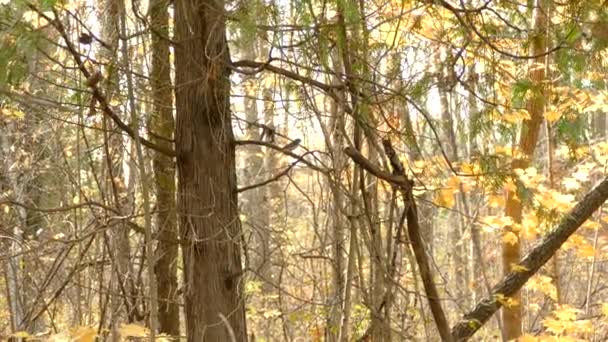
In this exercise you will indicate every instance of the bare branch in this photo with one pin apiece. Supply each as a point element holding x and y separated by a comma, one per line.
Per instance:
<point>399,178</point>
<point>97,93</point>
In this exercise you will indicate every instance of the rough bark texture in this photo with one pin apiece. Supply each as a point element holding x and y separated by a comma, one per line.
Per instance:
<point>207,202</point>
<point>527,144</point>
<point>162,125</point>
<point>531,263</point>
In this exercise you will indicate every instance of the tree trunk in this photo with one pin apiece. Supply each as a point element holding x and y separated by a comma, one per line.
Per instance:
<point>529,135</point>
<point>13,272</point>
<point>207,201</point>
<point>338,316</point>
<point>122,283</point>
<point>163,125</point>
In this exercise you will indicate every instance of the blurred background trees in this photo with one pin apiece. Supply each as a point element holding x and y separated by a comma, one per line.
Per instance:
<point>129,128</point>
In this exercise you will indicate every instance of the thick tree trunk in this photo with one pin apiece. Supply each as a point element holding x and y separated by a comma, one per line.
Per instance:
<point>163,125</point>
<point>207,202</point>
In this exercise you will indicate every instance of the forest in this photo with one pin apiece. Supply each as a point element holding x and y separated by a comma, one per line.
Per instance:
<point>303,170</point>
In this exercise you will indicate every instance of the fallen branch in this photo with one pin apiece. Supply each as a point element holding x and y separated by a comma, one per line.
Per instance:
<point>531,263</point>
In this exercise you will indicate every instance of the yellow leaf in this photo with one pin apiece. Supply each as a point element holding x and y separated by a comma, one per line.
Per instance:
<point>510,238</point>
<point>492,223</point>
<point>132,330</point>
<point>454,182</point>
<point>418,166</point>
<point>552,116</point>
<point>83,334</point>
<point>529,177</point>
<point>528,338</point>
<point>543,284</point>
<point>61,337</point>
<point>566,313</point>
<point>510,186</point>
<point>519,268</point>
<point>496,201</point>
<point>554,326</point>
<point>506,301</point>
<point>529,225</point>
<point>574,241</point>
<point>445,198</point>
<point>586,250</point>
<point>516,116</point>
<point>554,200</point>
<point>592,225</point>
<point>21,334</point>
<point>271,313</point>
<point>470,168</point>
<point>12,113</point>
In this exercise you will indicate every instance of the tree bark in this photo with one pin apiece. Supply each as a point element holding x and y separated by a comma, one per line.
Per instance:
<point>529,135</point>
<point>122,281</point>
<point>162,125</point>
<point>207,202</point>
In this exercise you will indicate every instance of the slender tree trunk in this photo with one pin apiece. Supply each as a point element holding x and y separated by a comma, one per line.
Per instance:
<point>512,315</point>
<point>339,316</point>
<point>599,124</point>
<point>122,283</point>
<point>162,126</point>
<point>140,169</point>
<point>256,203</point>
<point>207,201</point>
<point>14,283</point>
<point>125,289</point>
<point>475,254</point>
<point>458,267</point>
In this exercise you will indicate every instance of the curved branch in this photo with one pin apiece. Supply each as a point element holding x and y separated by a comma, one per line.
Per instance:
<point>280,149</point>
<point>456,12</point>
<point>259,66</point>
<point>275,177</point>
